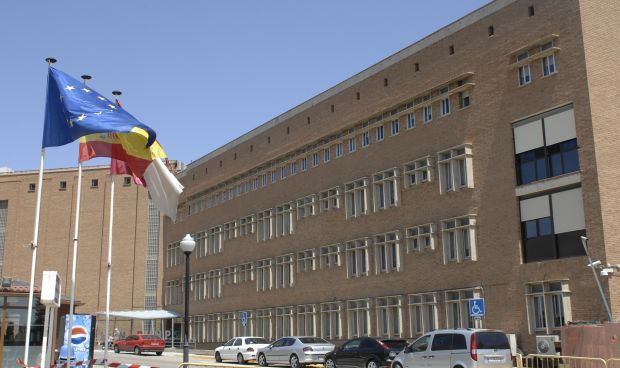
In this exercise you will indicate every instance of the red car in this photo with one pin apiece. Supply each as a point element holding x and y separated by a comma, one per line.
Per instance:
<point>140,343</point>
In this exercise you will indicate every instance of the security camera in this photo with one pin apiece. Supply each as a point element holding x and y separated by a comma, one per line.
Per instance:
<point>594,264</point>
<point>607,271</point>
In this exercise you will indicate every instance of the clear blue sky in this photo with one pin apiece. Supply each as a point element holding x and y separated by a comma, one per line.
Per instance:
<point>201,73</point>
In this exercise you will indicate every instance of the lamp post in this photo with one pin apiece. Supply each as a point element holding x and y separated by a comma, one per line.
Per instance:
<point>187,245</point>
<point>584,242</point>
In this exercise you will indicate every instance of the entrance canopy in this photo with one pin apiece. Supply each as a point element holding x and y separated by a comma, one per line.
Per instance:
<point>143,314</point>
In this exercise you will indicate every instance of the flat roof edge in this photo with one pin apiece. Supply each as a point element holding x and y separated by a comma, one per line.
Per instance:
<point>432,38</point>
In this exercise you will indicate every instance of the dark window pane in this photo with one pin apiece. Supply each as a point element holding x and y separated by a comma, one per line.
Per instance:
<point>571,161</point>
<point>544,226</point>
<point>528,172</point>
<point>530,229</point>
<point>569,244</point>
<point>458,342</point>
<point>540,248</point>
<point>569,145</point>
<point>555,161</point>
<point>541,169</point>
<point>492,340</point>
<point>441,342</point>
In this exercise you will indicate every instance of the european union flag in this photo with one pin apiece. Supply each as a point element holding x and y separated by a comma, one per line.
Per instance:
<point>74,110</point>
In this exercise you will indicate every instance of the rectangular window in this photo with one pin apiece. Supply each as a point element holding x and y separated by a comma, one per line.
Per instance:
<point>247,225</point>
<point>456,168</point>
<point>548,306</point>
<point>411,120</point>
<point>418,171</point>
<point>387,252</point>
<point>389,319</point>
<point>263,275</point>
<point>326,155</point>
<point>546,147</point>
<point>352,147</point>
<point>214,284</point>
<point>263,180</point>
<point>428,113</point>
<point>229,275</point>
<point>357,257</point>
<point>31,187</point>
<point>395,127</point>
<point>524,70</point>
<point>284,271</point>
<point>306,320</point>
<point>246,272</point>
<point>356,198</point>
<point>330,256</point>
<point>306,260</point>
<point>359,318</point>
<point>457,308</point>
<point>459,239</point>
<point>423,313</point>
<point>339,150</point>
<point>273,176</point>
<point>331,315</point>
<point>215,240</point>
<point>255,183</point>
<point>365,139</point>
<point>380,133</point>
<point>201,244</point>
<point>304,164</point>
<point>284,220</point>
<point>126,181</point>
<point>552,225</point>
<point>306,206</point>
<point>329,199</point>
<point>284,321</point>
<point>385,189</point>
<point>444,105</point>
<point>230,230</point>
<point>464,99</point>
<point>264,224</point>
<point>420,238</point>
<point>94,183</point>
<point>293,168</point>
<point>263,323</point>
<point>315,159</point>
<point>283,173</point>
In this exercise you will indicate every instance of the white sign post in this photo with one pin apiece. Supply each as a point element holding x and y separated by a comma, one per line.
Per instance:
<point>50,297</point>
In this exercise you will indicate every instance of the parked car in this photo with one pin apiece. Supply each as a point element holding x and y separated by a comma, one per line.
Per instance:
<point>140,343</point>
<point>240,348</point>
<point>465,348</point>
<point>365,352</point>
<point>295,351</point>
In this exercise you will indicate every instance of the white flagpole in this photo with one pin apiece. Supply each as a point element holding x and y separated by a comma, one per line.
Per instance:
<point>35,243</point>
<point>74,265</point>
<point>75,253</point>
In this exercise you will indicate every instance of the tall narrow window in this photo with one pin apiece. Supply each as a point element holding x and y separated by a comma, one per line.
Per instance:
<point>548,306</point>
<point>459,239</point>
<point>351,145</point>
<point>357,257</point>
<point>315,159</point>
<point>411,120</point>
<point>284,220</point>
<point>395,127</point>
<point>423,313</point>
<point>456,168</point>
<point>445,106</point>
<point>356,198</point>
<point>389,320</point>
<point>387,252</point>
<point>359,318</point>
<point>365,139</point>
<point>428,113</point>
<point>386,190</point>
<point>524,70</point>
<point>339,150</point>
<point>380,133</point>
<point>284,271</point>
<point>326,155</point>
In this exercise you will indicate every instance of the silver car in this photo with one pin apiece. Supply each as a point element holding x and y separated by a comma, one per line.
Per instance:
<point>465,348</point>
<point>240,349</point>
<point>295,351</point>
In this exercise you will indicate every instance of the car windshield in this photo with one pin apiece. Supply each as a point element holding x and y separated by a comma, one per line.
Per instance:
<point>395,344</point>
<point>312,340</point>
<point>256,340</point>
<point>492,340</point>
<point>151,337</point>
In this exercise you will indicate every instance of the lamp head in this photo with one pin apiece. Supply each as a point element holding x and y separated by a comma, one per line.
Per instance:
<point>188,244</point>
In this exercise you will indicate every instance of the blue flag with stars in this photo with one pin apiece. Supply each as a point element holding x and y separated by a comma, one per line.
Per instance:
<point>74,110</point>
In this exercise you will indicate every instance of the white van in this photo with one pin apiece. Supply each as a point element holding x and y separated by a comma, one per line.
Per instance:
<point>459,348</point>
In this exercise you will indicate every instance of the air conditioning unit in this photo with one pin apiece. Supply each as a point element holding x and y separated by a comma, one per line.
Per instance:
<point>546,344</point>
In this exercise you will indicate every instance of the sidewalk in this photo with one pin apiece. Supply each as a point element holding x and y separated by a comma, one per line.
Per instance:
<point>195,352</point>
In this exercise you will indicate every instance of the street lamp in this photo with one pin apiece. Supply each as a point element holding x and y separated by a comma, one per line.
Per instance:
<point>584,242</point>
<point>187,245</point>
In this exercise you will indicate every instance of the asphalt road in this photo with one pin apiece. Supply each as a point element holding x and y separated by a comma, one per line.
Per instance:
<point>167,360</point>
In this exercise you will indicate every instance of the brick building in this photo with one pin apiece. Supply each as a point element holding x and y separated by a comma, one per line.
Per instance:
<point>137,272</point>
<point>466,165</point>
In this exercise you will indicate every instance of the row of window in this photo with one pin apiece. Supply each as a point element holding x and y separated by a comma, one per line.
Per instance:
<point>401,316</point>
<point>383,251</point>
<point>421,107</point>
<point>455,173</point>
<point>94,183</point>
<point>544,52</point>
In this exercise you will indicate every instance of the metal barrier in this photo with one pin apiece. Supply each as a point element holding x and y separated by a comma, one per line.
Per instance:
<point>219,365</point>
<point>559,361</point>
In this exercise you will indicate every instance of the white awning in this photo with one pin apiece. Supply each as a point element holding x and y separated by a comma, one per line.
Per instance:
<point>143,314</point>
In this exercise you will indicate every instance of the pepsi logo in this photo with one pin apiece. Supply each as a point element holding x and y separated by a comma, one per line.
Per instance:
<point>78,335</point>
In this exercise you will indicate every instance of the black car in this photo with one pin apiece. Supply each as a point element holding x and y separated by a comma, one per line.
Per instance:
<point>365,352</point>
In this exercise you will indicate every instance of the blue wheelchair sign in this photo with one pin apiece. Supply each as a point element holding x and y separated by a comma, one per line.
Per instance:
<point>476,308</point>
<point>244,318</point>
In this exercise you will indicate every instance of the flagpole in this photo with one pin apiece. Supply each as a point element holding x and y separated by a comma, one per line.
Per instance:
<point>108,290</point>
<point>75,253</point>
<point>35,243</point>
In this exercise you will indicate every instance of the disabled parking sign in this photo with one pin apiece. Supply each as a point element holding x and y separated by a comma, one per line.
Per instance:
<point>244,318</point>
<point>476,308</point>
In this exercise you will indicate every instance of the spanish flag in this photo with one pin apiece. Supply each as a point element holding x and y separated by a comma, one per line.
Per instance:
<point>144,163</point>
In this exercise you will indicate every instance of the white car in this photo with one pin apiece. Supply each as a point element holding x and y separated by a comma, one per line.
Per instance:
<point>294,351</point>
<point>241,349</point>
<point>464,348</point>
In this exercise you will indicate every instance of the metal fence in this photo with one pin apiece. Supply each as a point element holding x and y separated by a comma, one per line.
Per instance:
<point>560,361</point>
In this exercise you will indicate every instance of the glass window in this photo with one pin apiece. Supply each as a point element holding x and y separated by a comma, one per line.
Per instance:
<point>442,342</point>
<point>420,344</point>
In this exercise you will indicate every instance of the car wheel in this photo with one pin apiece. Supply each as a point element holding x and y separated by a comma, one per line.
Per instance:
<point>329,363</point>
<point>240,359</point>
<point>218,358</point>
<point>262,360</point>
<point>158,352</point>
<point>137,351</point>
<point>117,350</point>
<point>372,364</point>
<point>397,365</point>
<point>294,361</point>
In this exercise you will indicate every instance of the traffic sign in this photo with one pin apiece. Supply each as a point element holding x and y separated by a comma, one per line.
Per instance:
<point>244,318</point>
<point>477,308</point>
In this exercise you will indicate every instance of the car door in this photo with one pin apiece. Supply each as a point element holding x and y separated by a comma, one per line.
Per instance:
<point>271,352</point>
<point>226,349</point>
<point>236,348</point>
<point>286,350</point>
<point>415,354</point>
<point>440,354</point>
<point>346,355</point>
<point>368,348</point>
